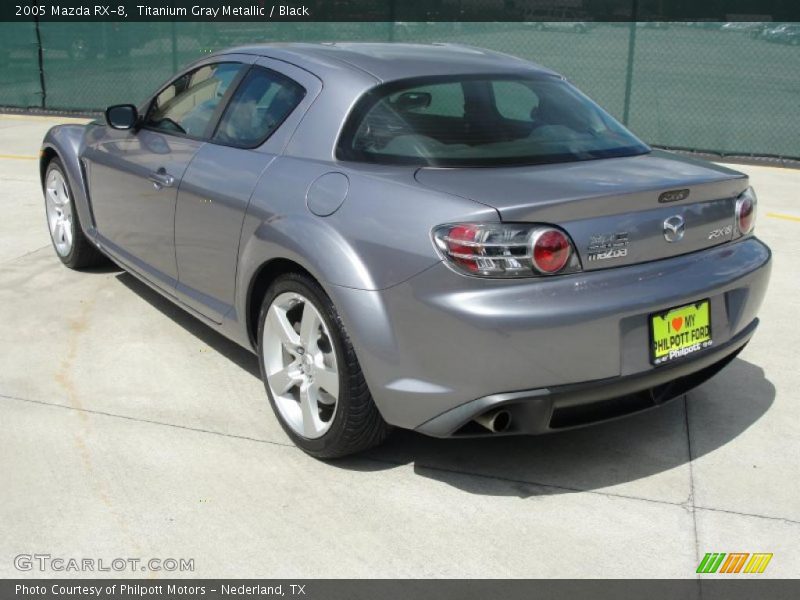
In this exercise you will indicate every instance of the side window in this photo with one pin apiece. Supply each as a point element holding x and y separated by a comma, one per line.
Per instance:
<point>515,100</point>
<point>187,105</point>
<point>258,107</point>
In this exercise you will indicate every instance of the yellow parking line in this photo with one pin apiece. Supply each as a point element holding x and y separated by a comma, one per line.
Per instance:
<point>17,157</point>
<point>780,216</point>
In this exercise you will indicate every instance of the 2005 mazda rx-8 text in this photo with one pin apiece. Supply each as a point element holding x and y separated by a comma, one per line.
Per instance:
<point>434,237</point>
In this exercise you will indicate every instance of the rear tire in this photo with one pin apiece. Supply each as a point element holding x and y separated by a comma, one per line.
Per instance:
<point>304,356</point>
<point>72,246</point>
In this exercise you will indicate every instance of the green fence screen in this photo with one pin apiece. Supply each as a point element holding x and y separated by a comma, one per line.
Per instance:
<point>703,86</point>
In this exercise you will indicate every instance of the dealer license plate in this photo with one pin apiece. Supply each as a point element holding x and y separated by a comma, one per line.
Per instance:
<point>680,332</point>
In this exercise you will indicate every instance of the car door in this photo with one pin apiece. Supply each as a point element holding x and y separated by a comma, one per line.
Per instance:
<point>214,195</point>
<point>135,174</point>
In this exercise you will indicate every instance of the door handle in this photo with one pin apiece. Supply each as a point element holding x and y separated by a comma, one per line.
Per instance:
<point>161,179</point>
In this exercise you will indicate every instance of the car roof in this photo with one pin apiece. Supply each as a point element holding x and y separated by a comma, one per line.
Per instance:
<point>392,61</point>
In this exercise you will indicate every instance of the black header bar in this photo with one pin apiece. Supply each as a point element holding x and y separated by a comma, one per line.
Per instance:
<point>400,10</point>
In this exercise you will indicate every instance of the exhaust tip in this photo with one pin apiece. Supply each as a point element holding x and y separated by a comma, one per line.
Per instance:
<point>496,421</point>
<point>502,420</point>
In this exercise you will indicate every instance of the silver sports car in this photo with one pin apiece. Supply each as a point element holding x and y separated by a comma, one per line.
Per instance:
<point>434,237</point>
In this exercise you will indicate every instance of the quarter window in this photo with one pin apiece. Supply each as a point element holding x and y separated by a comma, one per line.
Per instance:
<point>258,107</point>
<point>187,105</point>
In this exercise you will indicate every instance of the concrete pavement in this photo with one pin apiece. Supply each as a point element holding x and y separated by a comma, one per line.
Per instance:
<point>132,430</point>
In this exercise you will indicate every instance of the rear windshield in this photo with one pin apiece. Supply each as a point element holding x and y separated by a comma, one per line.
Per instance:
<point>480,121</point>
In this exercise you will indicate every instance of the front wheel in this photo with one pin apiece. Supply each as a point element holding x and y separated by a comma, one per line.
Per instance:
<point>70,243</point>
<point>310,371</point>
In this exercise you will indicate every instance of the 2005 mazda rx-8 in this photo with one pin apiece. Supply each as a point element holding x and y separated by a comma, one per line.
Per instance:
<point>434,237</point>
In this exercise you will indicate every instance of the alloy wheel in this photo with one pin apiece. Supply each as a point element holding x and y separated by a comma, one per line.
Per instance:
<point>300,365</point>
<point>59,212</point>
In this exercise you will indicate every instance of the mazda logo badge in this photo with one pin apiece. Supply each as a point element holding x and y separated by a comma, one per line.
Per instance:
<point>674,228</point>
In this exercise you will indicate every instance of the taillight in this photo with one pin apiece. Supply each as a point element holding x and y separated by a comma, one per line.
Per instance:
<point>506,250</point>
<point>463,247</point>
<point>746,211</point>
<point>551,250</point>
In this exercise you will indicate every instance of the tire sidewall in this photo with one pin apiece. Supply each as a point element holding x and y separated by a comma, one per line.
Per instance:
<point>55,165</point>
<point>314,293</point>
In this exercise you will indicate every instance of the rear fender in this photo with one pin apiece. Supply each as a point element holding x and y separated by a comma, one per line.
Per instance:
<point>330,259</point>
<point>375,235</point>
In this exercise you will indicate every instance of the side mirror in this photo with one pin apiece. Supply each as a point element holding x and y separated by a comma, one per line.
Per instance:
<point>122,116</point>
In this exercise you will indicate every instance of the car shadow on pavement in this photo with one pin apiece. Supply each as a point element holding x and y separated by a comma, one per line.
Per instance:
<point>595,457</point>
<point>235,353</point>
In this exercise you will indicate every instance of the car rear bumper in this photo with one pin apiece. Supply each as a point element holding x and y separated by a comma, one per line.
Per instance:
<point>569,406</point>
<point>442,346</point>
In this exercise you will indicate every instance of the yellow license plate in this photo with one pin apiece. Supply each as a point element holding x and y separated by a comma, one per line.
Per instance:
<point>680,332</point>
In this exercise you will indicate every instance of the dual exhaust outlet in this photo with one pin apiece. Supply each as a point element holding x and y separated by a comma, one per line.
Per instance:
<point>496,421</point>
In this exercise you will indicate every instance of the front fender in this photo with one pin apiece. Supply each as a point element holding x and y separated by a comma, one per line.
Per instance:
<point>67,142</point>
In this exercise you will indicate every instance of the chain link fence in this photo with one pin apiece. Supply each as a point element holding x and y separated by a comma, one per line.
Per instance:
<point>723,88</point>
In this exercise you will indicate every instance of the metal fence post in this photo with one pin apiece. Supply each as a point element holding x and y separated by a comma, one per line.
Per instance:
<point>40,57</point>
<point>631,54</point>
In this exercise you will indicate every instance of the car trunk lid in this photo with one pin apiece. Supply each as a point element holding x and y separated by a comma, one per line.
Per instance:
<point>618,211</point>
